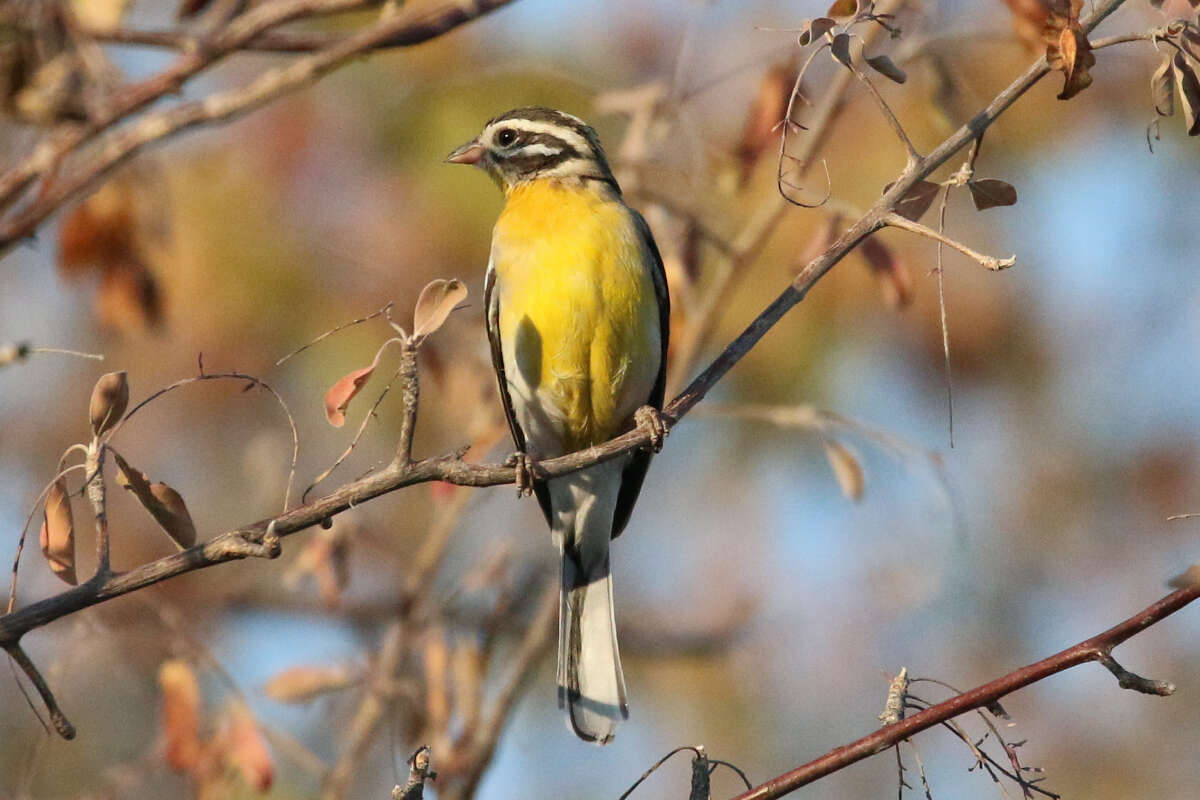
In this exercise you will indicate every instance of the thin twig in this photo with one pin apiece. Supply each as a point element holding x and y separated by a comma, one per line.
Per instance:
<point>381,312</point>
<point>57,718</point>
<point>991,262</point>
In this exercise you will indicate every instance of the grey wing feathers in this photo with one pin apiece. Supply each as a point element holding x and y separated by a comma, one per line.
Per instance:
<point>491,302</point>
<point>635,472</point>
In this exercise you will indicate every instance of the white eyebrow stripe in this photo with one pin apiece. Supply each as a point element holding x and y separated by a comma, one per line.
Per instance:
<point>560,131</point>
<point>540,149</point>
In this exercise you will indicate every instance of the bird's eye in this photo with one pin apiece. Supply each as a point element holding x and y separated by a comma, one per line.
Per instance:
<point>505,137</point>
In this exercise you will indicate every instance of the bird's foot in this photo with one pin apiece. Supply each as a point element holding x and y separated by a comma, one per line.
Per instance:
<point>650,420</point>
<point>523,464</point>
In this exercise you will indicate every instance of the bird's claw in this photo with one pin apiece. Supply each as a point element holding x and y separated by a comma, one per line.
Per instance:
<point>650,420</point>
<point>523,465</point>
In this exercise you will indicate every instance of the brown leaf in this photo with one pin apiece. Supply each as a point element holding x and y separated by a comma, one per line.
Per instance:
<point>1077,58</point>
<point>1189,93</point>
<point>341,393</point>
<point>840,48</point>
<point>98,230</point>
<point>180,714</point>
<point>815,30</point>
<point>58,532</point>
<point>243,748</point>
<point>918,200</point>
<point>1029,18</point>
<point>989,193</point>
<point>437,300</point>
<point>895,281</point>
<point>846,469</point>
<point>843,8</point>
<point>887,68</point>
<point>128,299</point>
<point>163,502</point>
<point>110,397</point>
<point>303,684</point>
<point>1162,87</point>
<point>760,131</point>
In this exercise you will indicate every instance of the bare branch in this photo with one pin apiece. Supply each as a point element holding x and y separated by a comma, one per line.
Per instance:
<point>1096,648</point>
<point>991,262</point>
<point>57,718</point>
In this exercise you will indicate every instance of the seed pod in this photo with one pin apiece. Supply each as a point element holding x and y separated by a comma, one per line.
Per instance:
<point>110,396</point>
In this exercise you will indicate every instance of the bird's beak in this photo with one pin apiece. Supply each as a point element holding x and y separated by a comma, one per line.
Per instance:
<point>469,153</point>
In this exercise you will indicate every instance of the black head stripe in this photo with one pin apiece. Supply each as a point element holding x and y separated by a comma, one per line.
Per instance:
<point>539,148</point>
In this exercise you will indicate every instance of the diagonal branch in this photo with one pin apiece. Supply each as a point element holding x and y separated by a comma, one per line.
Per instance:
<point>1098,648</point>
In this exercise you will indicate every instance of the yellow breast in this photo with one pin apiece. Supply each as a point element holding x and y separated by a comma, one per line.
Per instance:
<point>578,314</point>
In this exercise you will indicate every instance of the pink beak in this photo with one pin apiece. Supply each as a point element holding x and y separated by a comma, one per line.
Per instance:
<point>469,153</point>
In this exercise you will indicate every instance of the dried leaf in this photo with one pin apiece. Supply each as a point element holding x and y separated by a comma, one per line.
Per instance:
<point>1077,58</point>
<point>895,281</point>
<point>1162,87</point>
<point>846,469</point>
<point>989,193</point>
<point>242,747</point>
<point>918,200</point>
<point>341,393</point>
<point>58,533</point>
<point>163,502</point>
<point>98,230</point>
<point>840,48</point>
<point>760,130</point>
<point>110,397</point>
<point>180,714</point>
<point>437,300</point>
<point>887,68</point>
<point>304,684</point>
<point>128,299</point>
<point>843,8</point>
<point>815,30</point>
<point>1189,93</point>
<point>1186,579</point>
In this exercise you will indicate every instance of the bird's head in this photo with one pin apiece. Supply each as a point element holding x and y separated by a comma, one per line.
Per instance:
<point>530,143</point>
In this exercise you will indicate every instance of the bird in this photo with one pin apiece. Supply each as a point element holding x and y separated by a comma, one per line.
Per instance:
<point>577,312</point>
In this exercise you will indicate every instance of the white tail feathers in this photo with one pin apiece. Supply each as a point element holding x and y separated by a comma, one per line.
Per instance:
<point>590,683</point>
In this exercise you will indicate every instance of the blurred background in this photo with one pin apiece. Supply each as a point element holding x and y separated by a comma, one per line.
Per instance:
<point>762,611</point>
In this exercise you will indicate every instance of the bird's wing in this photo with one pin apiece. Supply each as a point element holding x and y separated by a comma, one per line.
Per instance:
<point>491,302</point>
<point>635,471</point>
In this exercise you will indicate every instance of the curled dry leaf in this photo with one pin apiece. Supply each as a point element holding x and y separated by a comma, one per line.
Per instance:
<point>815,30</point>
<point>989,193</point>
<point>163,502</point>
<point>1067,46</point>
<point>341,393</point>
<point>303,684</point>
<point>110,397</point>
<point>437,300</point>
<point>58,533</point>
<point>918,200</point>
<point>887,68</point>
<point>241,745</point>
<point>1162,87</point>
<point>180,714</point>
<point>760,130</point>
<point>895,281</point>
<point>1189,93</point>
<point>846,469</point>
<point>840,48</point>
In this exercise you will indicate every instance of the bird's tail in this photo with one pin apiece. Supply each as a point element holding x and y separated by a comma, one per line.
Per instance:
<point>590,683</point>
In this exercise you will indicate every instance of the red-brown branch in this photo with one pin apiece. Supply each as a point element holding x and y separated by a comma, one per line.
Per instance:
<point>1098,648</point>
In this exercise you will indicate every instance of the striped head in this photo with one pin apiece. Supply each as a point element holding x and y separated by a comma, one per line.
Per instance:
<point>529,143</point>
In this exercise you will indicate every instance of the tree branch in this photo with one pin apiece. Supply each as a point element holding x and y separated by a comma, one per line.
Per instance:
<point>1098,648</point>
<point>408,27</point>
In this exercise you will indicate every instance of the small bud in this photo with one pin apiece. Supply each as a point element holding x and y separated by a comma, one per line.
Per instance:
<point>110,396</point>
